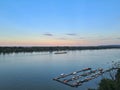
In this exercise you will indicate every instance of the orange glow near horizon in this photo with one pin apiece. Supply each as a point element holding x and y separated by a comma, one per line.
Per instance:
<point>44,42</point>
<point>51,41</point>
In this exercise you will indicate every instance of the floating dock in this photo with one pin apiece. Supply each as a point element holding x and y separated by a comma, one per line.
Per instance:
<point>77,78</point>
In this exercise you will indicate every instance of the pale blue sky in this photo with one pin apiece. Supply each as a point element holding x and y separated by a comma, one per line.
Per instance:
<point>59,22</point>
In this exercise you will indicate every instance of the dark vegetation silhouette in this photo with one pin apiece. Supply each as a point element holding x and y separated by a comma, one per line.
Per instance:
<point>53,48</point>
<point>109,84</point>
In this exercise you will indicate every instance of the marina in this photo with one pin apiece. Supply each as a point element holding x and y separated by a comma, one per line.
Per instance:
<point>77,78</point>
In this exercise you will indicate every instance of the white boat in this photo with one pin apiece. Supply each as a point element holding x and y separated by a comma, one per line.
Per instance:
<point>60,52</point>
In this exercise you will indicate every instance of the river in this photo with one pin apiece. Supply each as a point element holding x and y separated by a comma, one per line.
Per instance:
<point>34,71</point>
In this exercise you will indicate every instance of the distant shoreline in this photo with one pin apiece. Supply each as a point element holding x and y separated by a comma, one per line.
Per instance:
<point>8,49</point>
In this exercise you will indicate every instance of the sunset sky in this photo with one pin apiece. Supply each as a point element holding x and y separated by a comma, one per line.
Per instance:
<point>59,22</point>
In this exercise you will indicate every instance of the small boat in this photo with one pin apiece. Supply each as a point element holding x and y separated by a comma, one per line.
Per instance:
<point>62,74</point>
<point>74,73</point>
<point>60,52</point>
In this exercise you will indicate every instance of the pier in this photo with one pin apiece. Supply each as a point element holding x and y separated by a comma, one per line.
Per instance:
<point>77,78</point>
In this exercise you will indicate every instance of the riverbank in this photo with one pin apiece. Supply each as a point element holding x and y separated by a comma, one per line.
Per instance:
<point>53,48</point>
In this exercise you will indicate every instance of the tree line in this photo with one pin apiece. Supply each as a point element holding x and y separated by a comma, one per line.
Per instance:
<point>53,48</point>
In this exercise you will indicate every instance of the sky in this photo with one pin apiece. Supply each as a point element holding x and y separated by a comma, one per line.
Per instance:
<point>59,22</point>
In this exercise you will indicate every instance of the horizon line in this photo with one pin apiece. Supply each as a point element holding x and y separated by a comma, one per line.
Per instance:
<point>64,45</point>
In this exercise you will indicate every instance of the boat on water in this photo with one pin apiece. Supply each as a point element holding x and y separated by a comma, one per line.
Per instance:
<point>60,52</point>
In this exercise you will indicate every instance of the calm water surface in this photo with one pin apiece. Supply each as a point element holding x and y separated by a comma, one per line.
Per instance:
<point>34,71</point>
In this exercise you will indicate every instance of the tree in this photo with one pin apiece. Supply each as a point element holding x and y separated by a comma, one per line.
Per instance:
<point>109,84</point>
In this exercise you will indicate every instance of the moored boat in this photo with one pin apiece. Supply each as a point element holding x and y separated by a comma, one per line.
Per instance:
<point>61,52</point>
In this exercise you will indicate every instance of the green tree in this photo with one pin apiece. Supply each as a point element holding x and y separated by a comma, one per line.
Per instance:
<point>117,80</point>
<point>107,84</point>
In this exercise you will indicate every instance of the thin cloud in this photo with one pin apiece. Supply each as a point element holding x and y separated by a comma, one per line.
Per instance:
<point>109,38</point>
<point>71,34</point>
<point>63,38</point>
<point>48,34</point>
<point>81,38</point>
<point>118,38</point>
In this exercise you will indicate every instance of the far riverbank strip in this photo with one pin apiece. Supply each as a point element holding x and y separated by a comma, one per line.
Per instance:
<point>17,49</point>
